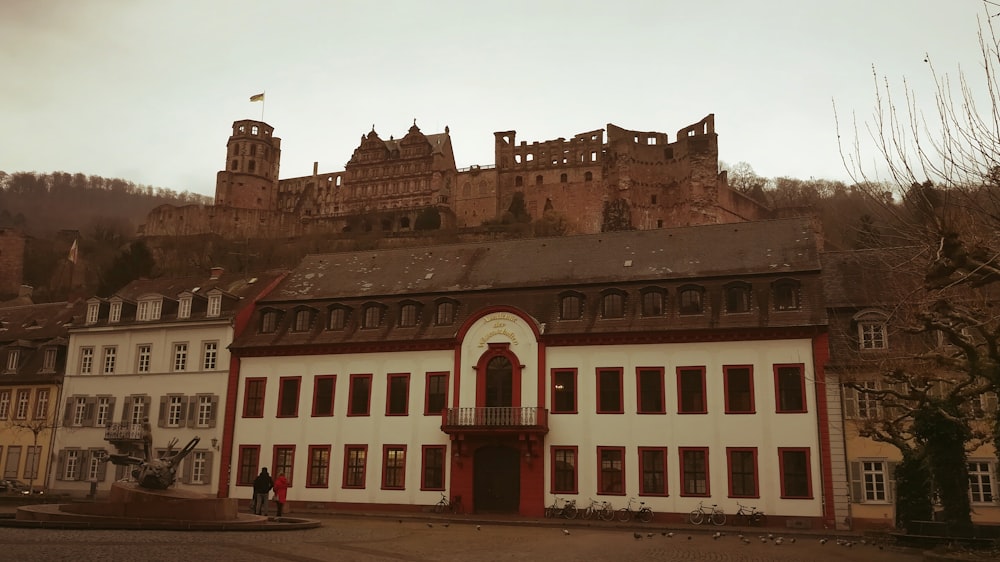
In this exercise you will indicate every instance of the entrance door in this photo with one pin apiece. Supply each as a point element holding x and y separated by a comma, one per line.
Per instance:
<point>499,383</point>
<point>497,480</point>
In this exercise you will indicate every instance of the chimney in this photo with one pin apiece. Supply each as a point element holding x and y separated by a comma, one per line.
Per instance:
<point>217,272</point>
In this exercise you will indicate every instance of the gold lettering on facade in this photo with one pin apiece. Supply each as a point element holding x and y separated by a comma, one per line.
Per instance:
<point>499,327</point>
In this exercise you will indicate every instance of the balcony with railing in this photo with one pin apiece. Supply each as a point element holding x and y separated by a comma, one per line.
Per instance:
<point>124,431</point>
<point>492,420</point>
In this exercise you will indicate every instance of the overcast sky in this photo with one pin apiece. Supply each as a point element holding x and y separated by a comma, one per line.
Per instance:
<point>147,90</point>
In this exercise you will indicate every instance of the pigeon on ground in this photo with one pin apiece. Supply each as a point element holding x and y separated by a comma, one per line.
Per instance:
<point>649,535</point>
<point>822,541</point>
<point>429,525</point>
<point>565,531</point>
<point>479,527</point>
<point>445,525</point>
<point>636,535</point>
<point>792,540</point>
<point>664,533</point>
<point>670,535</point>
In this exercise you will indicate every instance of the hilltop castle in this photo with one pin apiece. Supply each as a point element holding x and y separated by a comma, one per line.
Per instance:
<point>388,184</point>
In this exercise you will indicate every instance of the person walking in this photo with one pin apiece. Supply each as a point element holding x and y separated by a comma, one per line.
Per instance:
<point>280,490</point>
<point>261,486</point>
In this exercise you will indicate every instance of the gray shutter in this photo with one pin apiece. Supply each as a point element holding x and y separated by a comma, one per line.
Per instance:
<point>125,408</point>
<point>857,490</point>
<point>68,414</point>
<point>215,411</point>
<point>61,465</point>
<point>90,412</point>
<point>209,467</point>
<point>850,402</point>
<point>184,411</point>
<point>111,409</point>
<point>186,467</point>
<point>192,410</point>
<point>146,401</point>
<point>84,466</point>
<point>102,469</point>
<point>162,420</point>
<point>890,481</point>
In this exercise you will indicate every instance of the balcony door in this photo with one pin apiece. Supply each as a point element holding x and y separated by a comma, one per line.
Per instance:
<point>499,382</point>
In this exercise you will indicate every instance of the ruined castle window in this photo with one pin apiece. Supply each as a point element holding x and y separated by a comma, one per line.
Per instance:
<point>408,315</point>
<point>659,223</point>
<point>251,166</point>
<point>539,180</point>
<point>593,156</point>
<point>243,129</point>
<point>404,223</point>
<point>373,316</point>
<point>254,130</point>
<point>338,318</point>
<point>338,181</point>
<point>588,176</point>
<point>529,157</point>
<point>518,181</point>
<point>652,199</point>
<point>235,164</point>
<point>786,295</point>
<point>737,298</point>
<point>613,305</point>
<point>689,300</point>
<point>302,320</point>
<point>652,302</point>
<point>563,178</point>
<point>651,141</point>
<point>570,307</point>
<point>253,150</point>
<point>269,322</point>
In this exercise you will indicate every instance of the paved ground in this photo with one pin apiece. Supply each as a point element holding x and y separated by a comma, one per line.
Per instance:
<point>368,539</point>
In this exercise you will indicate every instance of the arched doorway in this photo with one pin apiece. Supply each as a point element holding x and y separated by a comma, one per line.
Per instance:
<point>499,382</point>
<point>497,480</point>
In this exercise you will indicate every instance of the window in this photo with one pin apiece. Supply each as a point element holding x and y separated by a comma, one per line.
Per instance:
<point>373,316</point>
<point>214,306</point>
<point>79,411</point>
<point>355,463</point>
<point>184,307</point>
<point>432,467</point>
<point>689,300</point>
<point>445,313</point>
<point>609,391</point>
<point>12,360</point>
<point>253,398</point>
<point>86,360</point>
<point>288,397</point>
<point>268,322</point>
<point>49,360</point>
<point>318,473</point>
<point>588,176</point>
<point>323,394</point>
<point>691,390</point>
<point>613,305</point>
<point>737,298</point>
<point>611,466</point>
<point>4,404</point>
<point>652,471</point>
<point>863,402</point>
<point>408,315</point>
<point>436,393</point>
<point>172,411</point>
<point>93,310</point>
<point>789,384</point>
<point>652,302</point>
<point>739,389</point>
<point>143,353</point>
<point>149,310</point>
<point>393,467</point>
<point>397,394</point>
<point>105,407</point>
<point>649,382</point>
<point>570,307</point>
<point>23,403</point>
<point>284,461</point>
<point>564,470</point>
<point>539,180</point>
<point>180,356</point>
<point>206,405</point>
<point>71,468</point>
<point>786,295</point>
<point>871,330</point>
<point>246,468</point>
<point>872,481</point>
<point>110,355</point>
<point>338,318</point>
<point>742,464</point>
<point>42,404</point>
<point>138,408</point>
<point>564,391</point>
<point>360,395</point>
<point>694,471</point>
<point>115,314</point>
<point>795,481</point>
<point>209,355</point>
<point>981,481</point>
<point>302,321</point>
<point>198,468</point>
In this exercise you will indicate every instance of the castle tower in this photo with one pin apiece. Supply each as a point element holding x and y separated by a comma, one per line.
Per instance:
<point>250,178</point>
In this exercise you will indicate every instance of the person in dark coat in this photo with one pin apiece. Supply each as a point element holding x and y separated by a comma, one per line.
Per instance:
<point>261,486</point>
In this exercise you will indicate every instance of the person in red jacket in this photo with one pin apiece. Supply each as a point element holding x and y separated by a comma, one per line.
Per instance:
<point>280,489</point>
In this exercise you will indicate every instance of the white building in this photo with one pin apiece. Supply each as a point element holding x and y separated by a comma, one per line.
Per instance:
<point>676,366</point>
<point>156,350</point>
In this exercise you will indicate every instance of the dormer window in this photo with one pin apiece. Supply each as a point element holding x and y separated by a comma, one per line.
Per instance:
<point>689,300</point>
<point>872,333</point>
<point>302,320</point>
<point>49,359</point>
<point>115,315</point>
<point>214,306</point>
<point>373,316</point>
<point>149,309</point>
<point>445,313</point>
<point>338,318</point>
<point>613,305</point>
<point>570,307</point>
<point>737,298</point>
<point>184,307</point>
<point>269,322</point>
<point>93,309</point>
<point>13,357</point>
<point>652,302</point>
<point>408,315</point>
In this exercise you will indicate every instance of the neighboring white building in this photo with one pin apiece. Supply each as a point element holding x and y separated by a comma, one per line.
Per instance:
<point>156,350</point>
<point>678,366</point>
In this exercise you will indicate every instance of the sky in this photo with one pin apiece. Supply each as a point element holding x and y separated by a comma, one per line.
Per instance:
<point>147,91</point>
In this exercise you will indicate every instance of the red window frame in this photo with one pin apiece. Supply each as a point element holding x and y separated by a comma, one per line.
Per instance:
<point>681,455</point>
<point>253,405</point>
<point>560,451</point>
<point>313,467</point>
<point>425,453</point>
<point>405,377</point>
<point>316,412</point>
<point>279,467</point>
<point>348,468</point>
<point>780,393</point>
<point>639,394</point>
<point>603,486</point>
<point>428,387</point>
<point>351,395</point>
<point>386,454</point>
<point>730,451</point>
<point>603,408</point>
<point>643,491</point>
<point>281,397</point>
<point>782,451</point>
<point>564,376</point>
<point>247,464</point>
<point>681,409</point>
<point>730,409</point>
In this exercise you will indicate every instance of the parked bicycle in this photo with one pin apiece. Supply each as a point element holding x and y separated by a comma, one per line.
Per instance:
<point>567,510</point>
<point>702,514</point>
<point>446,505</point>
<point>643,514</point>
<point>750,516</point>
<point>600,510</point>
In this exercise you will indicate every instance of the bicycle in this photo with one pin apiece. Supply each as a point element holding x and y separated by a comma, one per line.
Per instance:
<point>567,510</point>
<point>601,510</point>
<point>702,514</point>
<point>751,515</point>
<point>626,513</point>
<point>445,505</point>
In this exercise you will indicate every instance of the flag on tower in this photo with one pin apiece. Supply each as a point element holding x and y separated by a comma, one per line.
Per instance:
<point>258,97</point>
<point>74,252</point>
